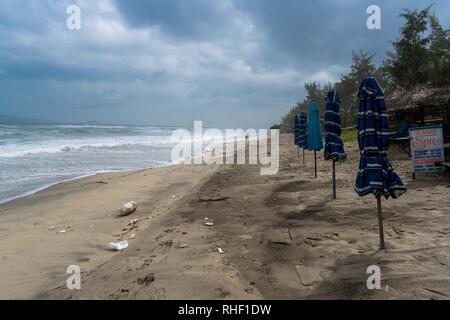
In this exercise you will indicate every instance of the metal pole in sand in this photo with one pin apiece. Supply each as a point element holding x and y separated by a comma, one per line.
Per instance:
<point>298,152</point>
<point>315,164</point>
<point>303,156</point>
<point>334,179</point>
<point>380,223</point>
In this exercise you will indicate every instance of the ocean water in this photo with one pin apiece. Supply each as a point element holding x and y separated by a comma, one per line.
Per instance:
<point>35,157</point>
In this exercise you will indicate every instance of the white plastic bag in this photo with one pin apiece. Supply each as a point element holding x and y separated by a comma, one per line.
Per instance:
<point>119,246</point>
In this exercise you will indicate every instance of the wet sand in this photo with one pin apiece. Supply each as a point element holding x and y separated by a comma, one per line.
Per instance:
<point>283,236</point>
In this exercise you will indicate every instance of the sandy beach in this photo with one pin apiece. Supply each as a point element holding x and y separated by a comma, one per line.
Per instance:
<point>282,236</point>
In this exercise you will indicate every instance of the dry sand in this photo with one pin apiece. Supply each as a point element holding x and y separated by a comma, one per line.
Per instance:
<point>283,236</point>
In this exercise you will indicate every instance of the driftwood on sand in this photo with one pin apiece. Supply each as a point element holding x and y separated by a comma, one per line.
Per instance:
<point>213,199</point>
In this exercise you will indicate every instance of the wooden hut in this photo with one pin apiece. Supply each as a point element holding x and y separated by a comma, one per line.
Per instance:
<point>421,106</point>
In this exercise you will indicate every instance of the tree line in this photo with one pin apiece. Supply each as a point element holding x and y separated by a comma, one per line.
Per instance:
<point>421,55</point>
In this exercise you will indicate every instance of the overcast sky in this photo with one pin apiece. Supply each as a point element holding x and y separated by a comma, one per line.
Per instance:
<point>230,63</point>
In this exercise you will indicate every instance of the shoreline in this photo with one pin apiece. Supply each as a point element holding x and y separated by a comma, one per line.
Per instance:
<point>46,186</point>
<point>35,254</point>
<point>43,188</point>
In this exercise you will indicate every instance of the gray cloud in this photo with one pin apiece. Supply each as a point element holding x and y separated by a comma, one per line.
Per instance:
<point>326,31</point>
<point>229,62</point>
<point>186,18</point>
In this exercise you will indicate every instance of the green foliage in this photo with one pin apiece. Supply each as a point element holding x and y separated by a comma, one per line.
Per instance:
<point>438,65</point>
<point>349,135</point>
<point>362,65</point>
<point>421,56</point>
<point>422,52</point>
<point>314,92</point>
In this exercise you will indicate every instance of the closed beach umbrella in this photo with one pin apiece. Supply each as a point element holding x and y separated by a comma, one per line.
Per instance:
<point>334,147</point>
<point>314,135</point>
<point>302,139</point>
<point>297,133</point>
<point>376,175</point>
<point>303,122</point>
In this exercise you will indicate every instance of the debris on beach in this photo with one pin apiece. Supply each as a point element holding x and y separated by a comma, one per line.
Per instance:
<point>128,208</point>
<point>182,246</point>
<point>62,231</point>
<point>218,250</point>
<point>208,223</point>
<point>283,243</point>
<point>213,199</point>
<point>119,246</point>
<point>52,228</point>
<point>133,235</point>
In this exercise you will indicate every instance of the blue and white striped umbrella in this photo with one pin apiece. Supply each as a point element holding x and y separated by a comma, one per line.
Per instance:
<point>334,148</point>
<point>303,127</point>
<point>376,174</point>
<point>296,130</point>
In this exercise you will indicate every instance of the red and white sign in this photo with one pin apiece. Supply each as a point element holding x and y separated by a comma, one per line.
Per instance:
<point>427,148</point>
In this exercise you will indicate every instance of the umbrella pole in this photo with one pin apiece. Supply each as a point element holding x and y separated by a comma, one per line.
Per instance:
<point>315,164</point>
<point>334,179</point>
<point>298,152</point>
<point>303,156</point>
<point>380,223</point>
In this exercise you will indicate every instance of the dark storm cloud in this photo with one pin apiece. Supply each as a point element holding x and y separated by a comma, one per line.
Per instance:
<point>326,31</point>
<point>307,33</point>
<point>227,62</point>
<point>181,18</point>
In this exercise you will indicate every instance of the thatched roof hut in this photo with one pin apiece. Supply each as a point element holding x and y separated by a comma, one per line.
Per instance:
<point>418,98</point>
<point>420,106</point>
<point>423,104</point>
